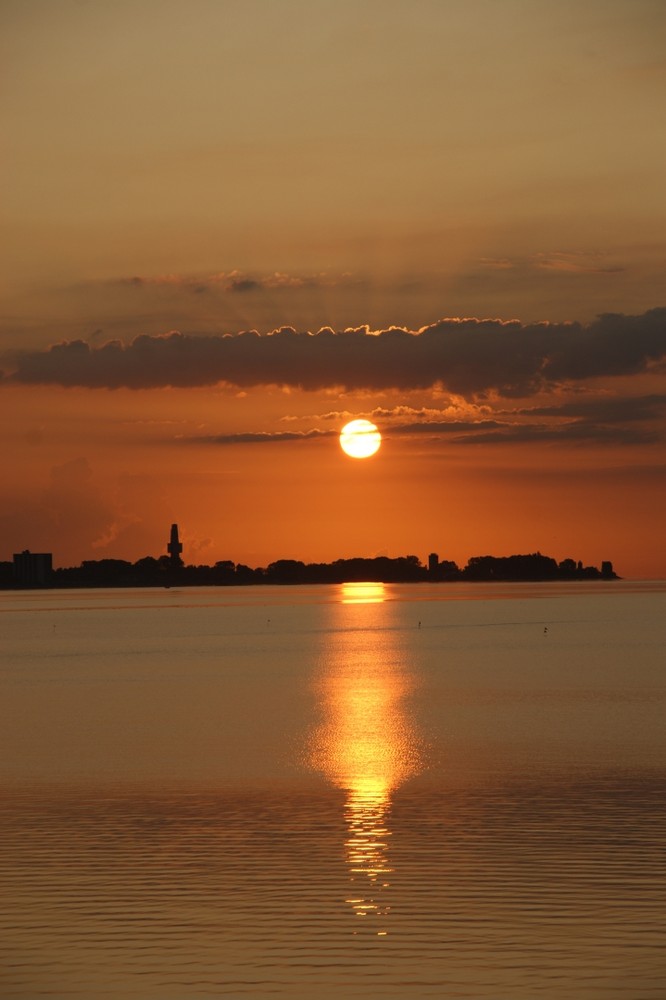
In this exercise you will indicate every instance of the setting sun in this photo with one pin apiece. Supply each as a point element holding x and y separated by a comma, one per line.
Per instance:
<point>360,439</point>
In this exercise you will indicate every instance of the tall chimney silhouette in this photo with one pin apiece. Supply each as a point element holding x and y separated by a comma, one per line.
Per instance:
<point>175,547</point>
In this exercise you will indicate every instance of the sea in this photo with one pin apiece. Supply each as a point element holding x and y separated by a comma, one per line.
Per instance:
<point>362,791</point>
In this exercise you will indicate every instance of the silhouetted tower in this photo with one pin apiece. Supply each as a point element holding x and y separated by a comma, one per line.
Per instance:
<point>175,547</point>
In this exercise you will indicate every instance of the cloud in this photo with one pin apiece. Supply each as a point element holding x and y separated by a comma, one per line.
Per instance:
<point>565,261</point>
<point>461,356</point>
<point>624,409</point>
<point>502,432</point>
<point>464,432</point>
<point>177,281</point>
<point>599,421</point>
<point>243,285</point>
<point>258,437</point>
<point>401,412</point>
<point>573,433</point>
<point>237,281</point>
<point>576,262</point>
<point>602,420</point>
<point>448,427</point>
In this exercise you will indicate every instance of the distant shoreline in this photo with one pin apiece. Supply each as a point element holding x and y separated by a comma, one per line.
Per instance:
<point>31,571</point>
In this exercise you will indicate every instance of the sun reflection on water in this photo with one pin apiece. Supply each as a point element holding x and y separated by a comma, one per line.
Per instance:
<point>363,593</point>
<point>366,743</point>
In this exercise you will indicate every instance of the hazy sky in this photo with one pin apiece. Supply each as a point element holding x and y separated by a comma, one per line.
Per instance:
<point>365,176</point>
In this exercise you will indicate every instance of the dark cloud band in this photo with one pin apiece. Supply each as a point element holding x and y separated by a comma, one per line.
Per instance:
<point>463,356</point>
<point>258,437</point>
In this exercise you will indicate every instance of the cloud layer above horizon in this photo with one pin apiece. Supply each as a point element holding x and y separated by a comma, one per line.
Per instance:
<point>464,356</point>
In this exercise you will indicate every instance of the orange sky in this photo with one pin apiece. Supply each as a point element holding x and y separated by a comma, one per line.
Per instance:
<point>379,167</point>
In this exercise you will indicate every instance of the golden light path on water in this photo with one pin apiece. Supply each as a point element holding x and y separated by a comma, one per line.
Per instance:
<point>366,744</point>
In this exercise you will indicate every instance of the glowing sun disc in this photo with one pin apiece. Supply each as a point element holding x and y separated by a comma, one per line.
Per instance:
<point>360,439</point>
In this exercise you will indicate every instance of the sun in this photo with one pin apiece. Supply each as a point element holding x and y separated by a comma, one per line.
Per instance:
<point>360,439</point>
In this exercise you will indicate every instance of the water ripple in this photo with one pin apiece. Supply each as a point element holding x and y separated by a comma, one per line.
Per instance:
<point>247,895</point>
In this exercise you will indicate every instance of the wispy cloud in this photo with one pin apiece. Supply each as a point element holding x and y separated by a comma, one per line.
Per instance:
<point>236,281</point>
<point>604,420</point>
<point>578,432</point>
<point>257,437</point>
<point>576,262</point>
<point>598,421</point>
<point>567,261</point>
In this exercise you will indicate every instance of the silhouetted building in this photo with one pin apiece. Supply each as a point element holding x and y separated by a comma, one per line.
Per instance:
<point>175,547</point>
<point>607,568</point>
<point>33,569</point>
<point>433,563</point>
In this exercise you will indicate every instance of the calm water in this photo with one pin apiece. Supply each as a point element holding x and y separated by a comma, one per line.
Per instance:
<point>357,791</point>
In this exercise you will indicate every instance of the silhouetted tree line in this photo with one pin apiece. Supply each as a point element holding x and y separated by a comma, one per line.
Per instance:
<point>161,572</point>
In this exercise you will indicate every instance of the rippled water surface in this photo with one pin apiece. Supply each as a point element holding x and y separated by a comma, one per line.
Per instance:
<point>362,791</point>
